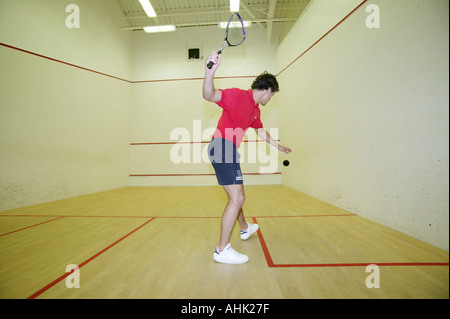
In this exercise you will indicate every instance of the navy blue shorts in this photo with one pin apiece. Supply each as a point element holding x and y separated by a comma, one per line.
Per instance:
<point>224,158</point>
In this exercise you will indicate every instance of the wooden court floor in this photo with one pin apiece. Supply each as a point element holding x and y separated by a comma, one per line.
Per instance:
<point>157,242</point>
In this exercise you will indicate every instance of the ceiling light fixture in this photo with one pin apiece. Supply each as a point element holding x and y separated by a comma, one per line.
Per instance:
<point>160,28</point>
<point>235,24</point>
<point>234,5</point>
<point>147,6</point>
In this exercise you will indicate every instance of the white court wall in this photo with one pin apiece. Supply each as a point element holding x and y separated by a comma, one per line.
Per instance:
<point>64,131</point>
<point>366,112</point>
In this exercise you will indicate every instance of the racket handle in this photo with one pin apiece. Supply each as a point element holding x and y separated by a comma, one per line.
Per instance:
<point>211,63</point>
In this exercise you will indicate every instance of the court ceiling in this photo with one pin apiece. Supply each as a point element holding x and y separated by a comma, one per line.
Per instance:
<point>129,15</point>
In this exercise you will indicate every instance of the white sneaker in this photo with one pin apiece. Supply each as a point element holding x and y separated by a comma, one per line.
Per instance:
<point>229,256</point>
<point>245,234</point>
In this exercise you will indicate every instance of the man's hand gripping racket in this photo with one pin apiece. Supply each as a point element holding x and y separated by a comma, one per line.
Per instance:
<point>213,62</point>
<point>234,35</point>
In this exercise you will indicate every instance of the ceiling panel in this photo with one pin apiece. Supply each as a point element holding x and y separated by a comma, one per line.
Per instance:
<point>129,15</point>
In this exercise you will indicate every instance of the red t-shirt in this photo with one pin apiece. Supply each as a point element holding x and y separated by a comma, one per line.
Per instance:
<point>239,113</point>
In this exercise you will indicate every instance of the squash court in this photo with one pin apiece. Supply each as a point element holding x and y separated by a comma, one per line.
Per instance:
<point>106,192</point>
<point>129,243</point>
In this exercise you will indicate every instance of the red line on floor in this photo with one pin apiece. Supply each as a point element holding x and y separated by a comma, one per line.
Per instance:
<point>15,231</point>
<point>53,283</point>
<point>264,246</point>
<point>146,217</point>
<point>31,215</point>
<point>271,264</point>
<point>77,216</point>
<point>297,216</point>
<point>360,264</point>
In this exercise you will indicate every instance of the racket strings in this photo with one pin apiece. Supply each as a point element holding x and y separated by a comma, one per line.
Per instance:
<point>236,31</point>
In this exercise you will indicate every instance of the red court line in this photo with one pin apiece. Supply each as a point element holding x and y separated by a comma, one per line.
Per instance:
<point>53,283</point>
<point>155,175</point>
<point>164,175</point>
<point>271,264</point>
<point>360,264</point>
<point>170,143</point>
<point>298,216</point>
<point>76,216</point>
<point>146,217</point>
<point>190,142</point>
<point>62,62</point>
<point>264,246</point>
<point>115,77</point>
<point>196,79</point>
<point>15,231</point>
<point>321,38</point>
<point>167,80</point>
<point>32,216</point>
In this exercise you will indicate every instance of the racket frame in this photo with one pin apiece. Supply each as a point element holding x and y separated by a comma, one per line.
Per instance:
<point>226,42</point>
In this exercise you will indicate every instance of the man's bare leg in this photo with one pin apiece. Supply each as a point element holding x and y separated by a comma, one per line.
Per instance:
<point>242,221</point>
<point>233,211</point>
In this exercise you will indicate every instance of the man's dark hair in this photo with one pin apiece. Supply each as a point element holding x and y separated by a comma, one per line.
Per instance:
<point>264,81</point>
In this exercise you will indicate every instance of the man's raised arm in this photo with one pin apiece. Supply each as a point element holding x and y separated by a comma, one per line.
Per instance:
<point>209,92</point>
